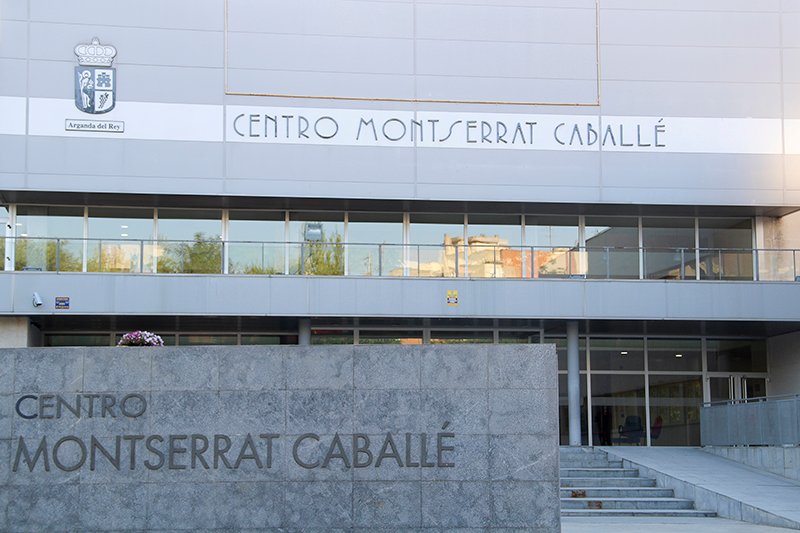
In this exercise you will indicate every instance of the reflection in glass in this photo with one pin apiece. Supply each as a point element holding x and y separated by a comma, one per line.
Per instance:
<point>554,241</point>
<point>366,336</point>
<point>437,245</point>
<point>375,244</point>
<point>736,355</point>
<point>618,415</point>
<point>203,340</point>
<point>86,339</point>
<point>120,240</point>
<point>612,247</point>
<point>49,238</point>
<point>189,241</point>
<point>675,410</point>
<point>674,355</point>
<point>331,336</point>
<point>519,337</point>
<point>256,242</point>
<point>316,243</point>
<point>561,351</point>
<point>462,337</point>
<point>669,248</point>
<point>617,354</point>
<point>726,248</point>
<point>494,246</point>
<point>563,411</point>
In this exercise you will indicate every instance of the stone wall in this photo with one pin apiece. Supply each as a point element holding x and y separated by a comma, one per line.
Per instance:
<point>361,438</point>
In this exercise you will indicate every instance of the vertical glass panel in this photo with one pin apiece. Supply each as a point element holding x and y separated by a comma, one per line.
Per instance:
<point>736,355</point>
<point>331,336</point>
<point>259,339</point>
<point>389,337</point>
<point>612,247</point>
<point>618,416</point>
<point>554,241</point>
<point>754,388</point>
<point>316,243</point>
<point>563,411</point>
<point>375,244</point>
<point>617,354</point>
<point>85,339</point>
<point>256,242</point>
<point>120,240</point>
<point>3,225</point>
<point>519,337</point>
<point>561,351</point>
<point>726,248</point>
<point>720,388</point>
<point>674,355</point>
<point>202,340</point>
<point>461,337</point>
<point>675,410</point>
<point>669,248</point>
<point>189,241</point>
<point>49,238</point>
<point>436,245</point>
<point>494,246</point>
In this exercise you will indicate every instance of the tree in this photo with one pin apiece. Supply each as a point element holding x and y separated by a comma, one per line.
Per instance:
<point>202,256</point>
<point>321,258</point>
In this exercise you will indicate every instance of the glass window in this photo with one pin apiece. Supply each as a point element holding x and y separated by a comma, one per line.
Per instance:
<point>49,238</point>
<point>618,416</point>
<point>256,242</point>
<point>3,225</point>
<point>86,339</point>
<point>612,247</point>
<point>726,248</point>
<point>438,241</point>
<point>617,354</point>
<point>554,240</point>
<point>462,337</point>
<point>260,339</point>
<point>675,410</point>
<point>389,337</point>
<point>316,243</point>
<point>736,355</point>
<point>375,244</point>
<point>331,336</point>
<point>668,248</point>
<point>203,340</point>
<point>520,337</point>
<point>494,243</point>
<point>561,351</point>
<point>674,355</point>
<point>120,240</point>
<point>189,241</point>
<point>563,411</point>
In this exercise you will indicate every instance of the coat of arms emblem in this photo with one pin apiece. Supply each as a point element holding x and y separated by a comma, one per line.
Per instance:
<point>95,80</point>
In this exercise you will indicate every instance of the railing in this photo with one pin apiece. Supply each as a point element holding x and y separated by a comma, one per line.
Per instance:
<point>772,421</point>
<point>214,256</point>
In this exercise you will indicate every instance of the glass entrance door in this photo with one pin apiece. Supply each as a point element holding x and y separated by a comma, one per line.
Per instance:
<point>736,387</point>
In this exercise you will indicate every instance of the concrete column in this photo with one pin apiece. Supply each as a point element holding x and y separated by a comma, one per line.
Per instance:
<point>304,331</point>
<point>18,332</point>
<point>573,383</point>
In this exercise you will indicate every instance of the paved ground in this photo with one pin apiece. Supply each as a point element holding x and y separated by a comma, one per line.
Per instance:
<point>587,524</point>
<point>766,492</point>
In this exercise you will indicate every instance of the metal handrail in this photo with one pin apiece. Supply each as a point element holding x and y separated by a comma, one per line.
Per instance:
<point>749,400</point>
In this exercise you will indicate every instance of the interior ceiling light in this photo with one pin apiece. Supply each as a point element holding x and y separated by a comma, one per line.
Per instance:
<point>623,353</point>
<point>679,355</point>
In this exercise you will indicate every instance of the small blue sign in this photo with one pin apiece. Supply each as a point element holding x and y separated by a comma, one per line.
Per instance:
<point>62,302</point>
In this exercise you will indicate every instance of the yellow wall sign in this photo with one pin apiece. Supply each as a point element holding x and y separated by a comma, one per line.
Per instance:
<point>452,298</point>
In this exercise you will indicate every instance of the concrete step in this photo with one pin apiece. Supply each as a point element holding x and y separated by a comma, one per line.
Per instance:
<point>681,513</point>
<point>616,482</point>
<point>665,504</point>
<point>589,463</point>
<point>616,492</point>
<point>599,472</point>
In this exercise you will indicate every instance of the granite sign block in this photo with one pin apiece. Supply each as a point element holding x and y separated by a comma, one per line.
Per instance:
<point>350,438</point>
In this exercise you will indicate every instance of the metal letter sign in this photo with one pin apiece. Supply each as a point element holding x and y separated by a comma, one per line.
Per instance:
<point>95,80</point>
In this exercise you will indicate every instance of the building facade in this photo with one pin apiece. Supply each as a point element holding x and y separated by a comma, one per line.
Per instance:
<point>620,178</point>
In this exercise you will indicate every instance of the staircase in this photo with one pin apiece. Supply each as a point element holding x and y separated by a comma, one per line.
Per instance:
<point>592,485</point>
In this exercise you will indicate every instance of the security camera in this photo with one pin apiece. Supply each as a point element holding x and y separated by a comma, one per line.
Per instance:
<point>37,300</point>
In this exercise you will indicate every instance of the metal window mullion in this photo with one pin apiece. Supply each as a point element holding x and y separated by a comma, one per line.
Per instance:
<point>11,241</point>
<point>641,249</point>
<point>647,393</point>
<point>225,245</point>
<point>154,248</point>
<point>346,239</point>
<point>286,245</point>
<point>697,248</point>
<point>589,402</point>
<point>465,232</point>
